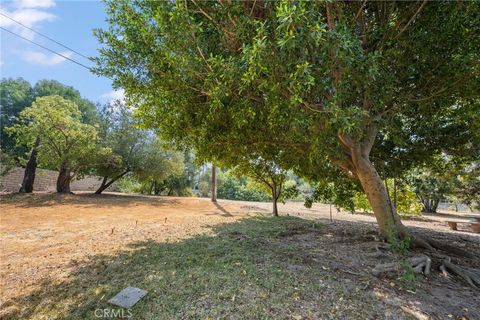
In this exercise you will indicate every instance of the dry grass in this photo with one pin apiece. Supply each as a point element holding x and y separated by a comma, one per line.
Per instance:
<point>62,257</point>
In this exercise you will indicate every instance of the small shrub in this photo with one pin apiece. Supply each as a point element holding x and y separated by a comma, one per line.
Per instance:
<point>128,185</point>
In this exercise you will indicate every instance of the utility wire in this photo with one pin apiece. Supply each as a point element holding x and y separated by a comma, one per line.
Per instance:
<point>48,49</point>
<point>45,36</point>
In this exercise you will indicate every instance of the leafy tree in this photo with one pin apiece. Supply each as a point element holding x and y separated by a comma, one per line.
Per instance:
<point>67,144</point>
<point>233,187</point>
<point>191,170</point>
<point>6,163</point>
<point>16,95</point>
<point>468,189</point>
<point>443,179</point>
<point>316,83</point>
<point>431,187</point>
<point>265,172</point>
<point>87,108</point>
<point>119,132</point>
<point>175,185</point>
<point>340,194</point>
<point>158,164</point>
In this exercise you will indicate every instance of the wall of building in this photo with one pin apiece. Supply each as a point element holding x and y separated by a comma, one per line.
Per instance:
<point>46,180</point>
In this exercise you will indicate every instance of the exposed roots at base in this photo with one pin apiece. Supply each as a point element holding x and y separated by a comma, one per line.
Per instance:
<point>434,245</point>
<point>470,276</point>
<point>419,264</point>
<point>422,263</point>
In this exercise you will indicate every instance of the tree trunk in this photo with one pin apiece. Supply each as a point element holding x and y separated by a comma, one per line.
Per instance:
<point>214,183</point>
<point>106,184</point>
<point>64,178</point>
<point>429,205</point>
<point>358,166</point>
<point>30,170</point>
<point>274,201</point>
<point>102,186</point>
<point>388,220</point>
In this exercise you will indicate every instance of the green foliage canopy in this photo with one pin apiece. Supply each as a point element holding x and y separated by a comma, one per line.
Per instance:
<point>65,140</point>
<point>17,94</point>
<point>322,86</point>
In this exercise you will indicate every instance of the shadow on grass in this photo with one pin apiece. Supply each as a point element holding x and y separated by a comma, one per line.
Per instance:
<point>225,212</point>
<point>84,199</point>
<point>240,270</point>
<point>258,267</point>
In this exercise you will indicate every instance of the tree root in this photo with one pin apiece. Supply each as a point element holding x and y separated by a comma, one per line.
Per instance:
<point>422,264</point>
<point>419,264</point>
<point>433,245</point>
<point>381,250</point>
<point>471,276</point>
<point>451,249</point>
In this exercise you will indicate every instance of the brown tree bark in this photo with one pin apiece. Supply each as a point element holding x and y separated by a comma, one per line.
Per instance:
<point>387,218</point>
<point>30,170</point>
<point>358,166</point>
<point>64,179</point>
<point>106,184</point>
<point>214,183</point>
<point>101,188</point>
<point>275,200</point>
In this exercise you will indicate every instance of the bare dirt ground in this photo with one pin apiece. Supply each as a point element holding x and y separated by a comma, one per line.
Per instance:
<point>46,236</point>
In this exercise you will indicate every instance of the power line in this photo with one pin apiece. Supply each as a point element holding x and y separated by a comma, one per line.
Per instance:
<point>45,36</point>
<point>48,49</point>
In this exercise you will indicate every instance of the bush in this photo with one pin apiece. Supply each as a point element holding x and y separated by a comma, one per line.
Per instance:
<point>128,185</point>
<point>233,188</point>
<point>250,194</point>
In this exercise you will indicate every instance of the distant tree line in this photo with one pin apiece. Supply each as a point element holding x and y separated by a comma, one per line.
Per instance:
<point>50,125</point>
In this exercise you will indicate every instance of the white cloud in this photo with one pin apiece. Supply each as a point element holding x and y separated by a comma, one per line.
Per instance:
<point>43,59</point>
<point>29,13</point>
<point>113,95</point>
<point>34,3</point>
<point>29,17</point>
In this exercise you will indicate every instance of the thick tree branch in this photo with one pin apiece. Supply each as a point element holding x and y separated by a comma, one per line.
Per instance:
<point>346,166</point>
<point>369,140</point>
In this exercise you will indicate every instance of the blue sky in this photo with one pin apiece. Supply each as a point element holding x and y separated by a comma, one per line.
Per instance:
<point>68,22</point>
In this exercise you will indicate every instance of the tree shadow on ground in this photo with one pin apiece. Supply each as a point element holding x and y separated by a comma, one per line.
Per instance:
<point>258,267</point>
<point>225,212</point>
<point>36,200</point>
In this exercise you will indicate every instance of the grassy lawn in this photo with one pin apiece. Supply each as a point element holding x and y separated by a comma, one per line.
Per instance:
<point>244,270</point>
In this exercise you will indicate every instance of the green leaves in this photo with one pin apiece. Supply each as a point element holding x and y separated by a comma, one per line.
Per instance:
<point>63,137</point>
<point>280,81</point>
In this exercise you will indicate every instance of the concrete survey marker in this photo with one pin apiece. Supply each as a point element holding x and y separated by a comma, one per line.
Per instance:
<point>128,297</point>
